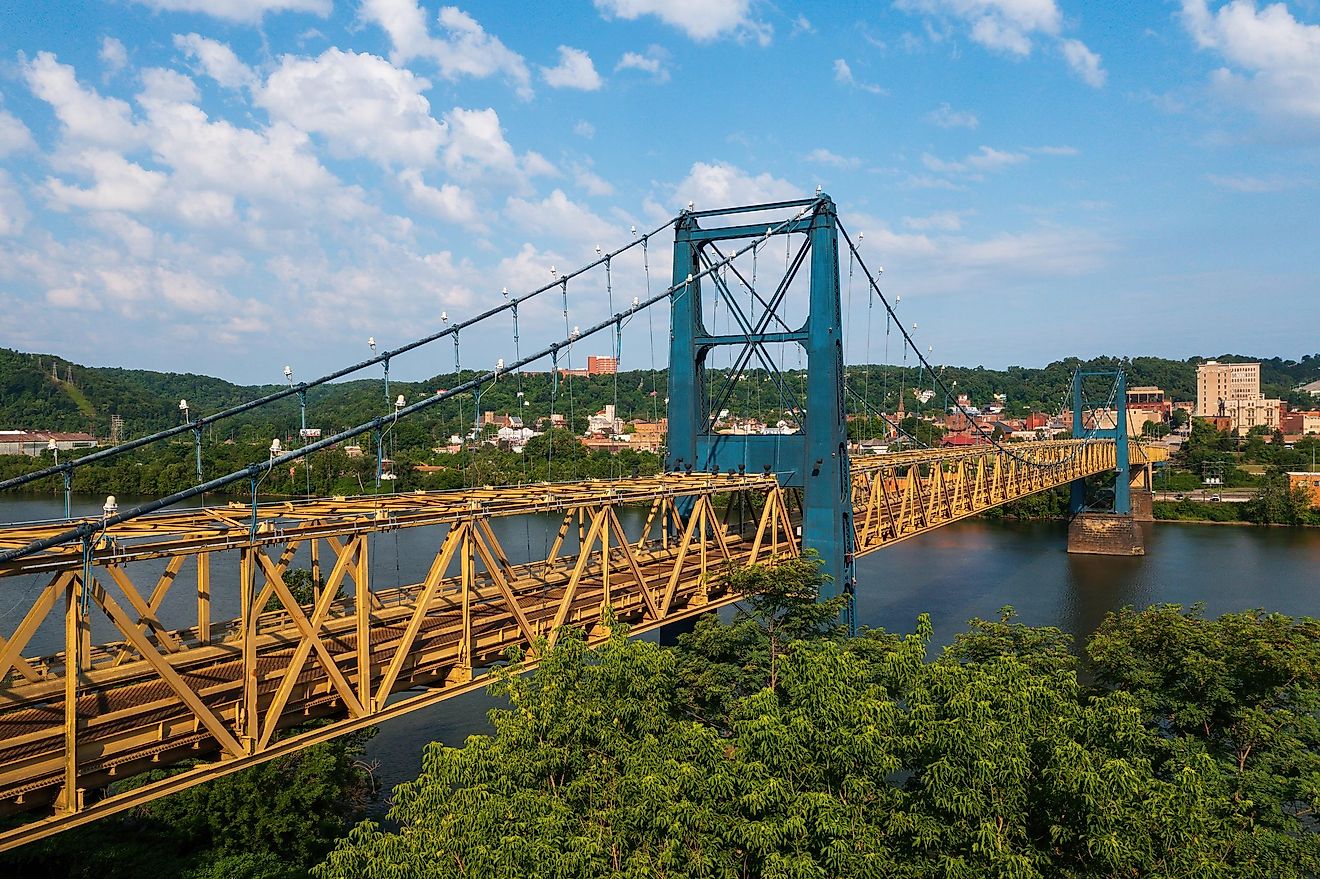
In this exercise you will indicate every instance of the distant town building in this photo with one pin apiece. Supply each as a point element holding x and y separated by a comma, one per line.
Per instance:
<point>36,442</point>
<point>1223,383</point>
<point>1308,481</point>
<point>597,364</point>
<point>648,435</point>
<point>1232,391</point>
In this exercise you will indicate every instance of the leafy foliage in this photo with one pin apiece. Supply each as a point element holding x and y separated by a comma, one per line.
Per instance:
<point>860,757</point>
<point>1242,691</point>
<point>271,821</point>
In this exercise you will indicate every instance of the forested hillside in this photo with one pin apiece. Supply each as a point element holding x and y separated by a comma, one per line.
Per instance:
<point>40,391</point>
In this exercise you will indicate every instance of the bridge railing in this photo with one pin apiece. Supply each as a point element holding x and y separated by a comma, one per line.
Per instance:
<point>181,637</point>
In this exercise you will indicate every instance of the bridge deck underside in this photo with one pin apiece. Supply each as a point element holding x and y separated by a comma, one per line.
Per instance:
<point>157,691</point>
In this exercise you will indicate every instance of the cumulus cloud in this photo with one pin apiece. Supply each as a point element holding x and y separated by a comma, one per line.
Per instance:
<point>1084,63</point>
<point>215,59</point>
<point>699,19</point>
<point>946,117</point>
<point>822,156</point>
<point>559,216</point>
<point>943,221</point>
<point>985,159</point>
<point>1003,25</point>
<point>463,49</point>
<point>13,210</point>
<point>84,114</point>
<point>1013,27</point>
<point>244,11</point>
<point>118,184</point>
<point>591,183</point>
<point>584,129</point>
<point>844,76</point>
<point>654,61</point>
<point>113,55</point>
<point>937,257</point>
<point>477,147</point>
<point>361,104</point>
<point>720,184</point>
<point>448,202</point>
<point>14,135</point>
<point>1273,60</point>
<point>574,71</point>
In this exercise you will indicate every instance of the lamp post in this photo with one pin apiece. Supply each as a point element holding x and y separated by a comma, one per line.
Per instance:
<point>371,341</point>
<point>380,441</point>
<point>197,438</point>
<point>66,474</point>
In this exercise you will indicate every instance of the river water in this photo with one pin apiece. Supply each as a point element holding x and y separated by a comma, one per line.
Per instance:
<point>963,570</point>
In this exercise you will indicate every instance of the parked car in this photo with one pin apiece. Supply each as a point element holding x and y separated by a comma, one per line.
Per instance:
<point>1214,499</point>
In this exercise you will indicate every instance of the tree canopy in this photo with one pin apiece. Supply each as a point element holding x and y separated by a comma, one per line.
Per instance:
<point>777,746</point>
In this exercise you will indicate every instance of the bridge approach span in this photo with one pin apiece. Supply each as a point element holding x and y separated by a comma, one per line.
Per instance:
<point>138,675</point>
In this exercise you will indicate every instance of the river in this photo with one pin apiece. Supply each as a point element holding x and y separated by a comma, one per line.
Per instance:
<point>963,570</point>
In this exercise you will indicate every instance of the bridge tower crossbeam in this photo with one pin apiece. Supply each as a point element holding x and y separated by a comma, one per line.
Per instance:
<point>814,460</point>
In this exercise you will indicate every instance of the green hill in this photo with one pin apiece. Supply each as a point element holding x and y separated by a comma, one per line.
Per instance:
<point>41,391</point>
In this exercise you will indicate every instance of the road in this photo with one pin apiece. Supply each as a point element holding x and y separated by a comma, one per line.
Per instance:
<point>1227,495</point>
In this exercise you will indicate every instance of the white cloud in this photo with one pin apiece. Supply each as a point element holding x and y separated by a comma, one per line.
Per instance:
<point>85,115</point>
<point>844,76</point>
<point>1248,184</point>
<point>584,129</point>
<point>654,62</point>
<point>13,211</point>
<point>275,169</point>
<point>464,50</point>
<point>113,55</point>
<point>14,135</point>
<point>245,11</point>
<point>477,147</point>
<point>803,25</point>
<point>946,117</point>
<point>592,183</point>
<point>559,216</point>
<point>925,181</point>
<point>935,260</point>
<point>216,60</point>
<point>822,156</point>
<point>699,19</point>
<point>943,221</point>
<point>118,184</point>
<point>574,71</point>
<point>1003,25</point>
<point>1012,27</point>
<point>986,159</point>
<point>1277,57</point>
<point>720,184</point>
<point>362,104</point>
<point>449,202</point>
<point>1054,150</point>
<point>1084,63</point>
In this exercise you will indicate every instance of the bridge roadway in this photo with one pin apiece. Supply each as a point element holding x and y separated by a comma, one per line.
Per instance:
<point>151,691</point>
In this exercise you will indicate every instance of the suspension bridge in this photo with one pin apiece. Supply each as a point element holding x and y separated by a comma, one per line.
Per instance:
<point>172,637</point>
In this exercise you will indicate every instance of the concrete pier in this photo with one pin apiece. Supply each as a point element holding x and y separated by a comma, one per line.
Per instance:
<point>1105,534</point>
<point>1143,504</point>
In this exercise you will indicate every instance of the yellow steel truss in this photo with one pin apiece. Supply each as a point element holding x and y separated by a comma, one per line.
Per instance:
<point>74,721</point>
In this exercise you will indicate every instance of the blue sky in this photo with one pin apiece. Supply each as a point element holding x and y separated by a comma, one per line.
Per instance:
<point>226,186</point>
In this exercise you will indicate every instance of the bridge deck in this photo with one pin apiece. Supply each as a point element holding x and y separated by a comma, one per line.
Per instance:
<point>137,686</point>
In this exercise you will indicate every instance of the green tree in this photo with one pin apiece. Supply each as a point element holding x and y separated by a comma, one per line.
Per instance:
<point>275,820</point>
<point>1244,690</point>
<point>722,663</point>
